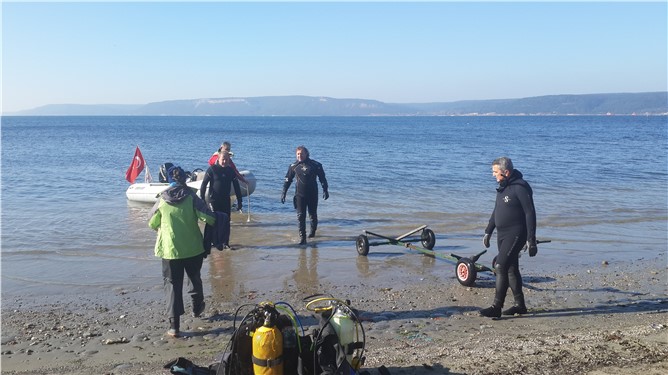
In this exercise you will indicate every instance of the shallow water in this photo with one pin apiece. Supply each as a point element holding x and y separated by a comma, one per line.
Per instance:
<point>600,183</point>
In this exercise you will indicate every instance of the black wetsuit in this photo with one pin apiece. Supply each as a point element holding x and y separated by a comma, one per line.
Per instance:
<point>514,217</point>
<point>220,179</point>
<point>306,191</point>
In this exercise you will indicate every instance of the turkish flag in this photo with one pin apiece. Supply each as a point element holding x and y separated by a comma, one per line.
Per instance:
<point>136,167</point>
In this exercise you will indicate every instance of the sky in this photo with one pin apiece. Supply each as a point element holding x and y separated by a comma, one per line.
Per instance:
<point>395,52</point>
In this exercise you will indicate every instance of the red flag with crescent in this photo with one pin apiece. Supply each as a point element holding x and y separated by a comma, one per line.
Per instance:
<point>136,167</point>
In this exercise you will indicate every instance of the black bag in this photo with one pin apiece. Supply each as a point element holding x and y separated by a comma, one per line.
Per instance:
<point>184,366</point>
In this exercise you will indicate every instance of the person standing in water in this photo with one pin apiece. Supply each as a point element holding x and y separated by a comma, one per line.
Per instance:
<point>514,217</point>
<point>306,170</point>
<point>219,179</point>
<point>179,243</point>
<point>227,146</point>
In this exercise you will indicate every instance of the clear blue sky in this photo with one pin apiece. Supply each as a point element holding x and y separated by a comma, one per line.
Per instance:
<point>136,53</point>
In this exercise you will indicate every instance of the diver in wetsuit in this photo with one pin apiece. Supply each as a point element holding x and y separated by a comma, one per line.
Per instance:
<point>306,170</point>
<point>219,179</point>
<point>514,217</point>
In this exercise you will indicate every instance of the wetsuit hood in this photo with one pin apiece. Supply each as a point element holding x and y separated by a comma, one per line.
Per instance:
<point>515,177</point>
<point>175,194</point>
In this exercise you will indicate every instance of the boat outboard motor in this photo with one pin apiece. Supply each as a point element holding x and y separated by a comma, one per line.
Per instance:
<point>163,172</point>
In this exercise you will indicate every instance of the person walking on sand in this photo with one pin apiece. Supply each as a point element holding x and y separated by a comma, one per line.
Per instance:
<point>306,190</point>
<point>227,146</point>
<point>514,217</point>
<point>180,245</point>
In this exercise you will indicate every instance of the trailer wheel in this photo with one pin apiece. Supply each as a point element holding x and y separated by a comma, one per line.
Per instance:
<point>466,272</point>
<point>362,245</point>
<point>428,239</point>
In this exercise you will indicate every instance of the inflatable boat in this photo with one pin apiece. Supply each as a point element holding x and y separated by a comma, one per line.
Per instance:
<point>148,192</point>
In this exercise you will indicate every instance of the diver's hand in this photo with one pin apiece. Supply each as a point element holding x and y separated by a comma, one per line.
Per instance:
<point>325,194</point>
<point>533,248</point>
<point>485,240</point>
<point>283,197</point>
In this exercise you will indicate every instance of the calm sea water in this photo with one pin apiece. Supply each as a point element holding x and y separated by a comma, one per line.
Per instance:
<point>601,192</point>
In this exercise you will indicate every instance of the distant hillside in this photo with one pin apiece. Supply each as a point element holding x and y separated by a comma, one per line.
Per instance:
<point>652,103</point>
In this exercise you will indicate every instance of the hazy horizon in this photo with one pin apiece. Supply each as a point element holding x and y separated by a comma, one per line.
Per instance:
<point>137,53</point>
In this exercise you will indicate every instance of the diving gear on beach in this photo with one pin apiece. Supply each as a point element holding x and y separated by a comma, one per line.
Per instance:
<point>184,366</point>
<point>339,340</point>
<point>268,348</point>
<point>485,240</point>
<point>270,340</point>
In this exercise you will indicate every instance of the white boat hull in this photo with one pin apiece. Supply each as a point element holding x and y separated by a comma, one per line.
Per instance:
<point>149,192</point>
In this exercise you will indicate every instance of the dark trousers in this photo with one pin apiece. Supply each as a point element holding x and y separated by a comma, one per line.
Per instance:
<point>302,205</point>
<point>173,271</point>
<point>508,266</point>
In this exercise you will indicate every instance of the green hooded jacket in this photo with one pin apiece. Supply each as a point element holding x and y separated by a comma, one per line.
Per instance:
<point>175,216</point>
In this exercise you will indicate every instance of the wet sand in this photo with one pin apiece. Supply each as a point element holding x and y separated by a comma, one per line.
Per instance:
<point>600,319</point>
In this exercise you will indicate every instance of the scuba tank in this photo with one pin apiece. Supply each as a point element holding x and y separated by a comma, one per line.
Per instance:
<point>290,350</point>
<point>344,326</point>
<point>268,348</point>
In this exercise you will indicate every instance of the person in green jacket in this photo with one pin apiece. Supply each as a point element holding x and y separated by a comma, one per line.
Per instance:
<point>179,243</point>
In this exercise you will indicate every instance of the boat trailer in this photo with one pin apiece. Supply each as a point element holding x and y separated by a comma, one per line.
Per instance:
<point>466,268</point>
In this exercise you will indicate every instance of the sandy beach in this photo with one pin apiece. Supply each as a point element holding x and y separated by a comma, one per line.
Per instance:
<point>607,320</point>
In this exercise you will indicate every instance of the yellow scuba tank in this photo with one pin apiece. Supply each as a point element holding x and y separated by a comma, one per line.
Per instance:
<point>268,348</point>
<point>345,328</point>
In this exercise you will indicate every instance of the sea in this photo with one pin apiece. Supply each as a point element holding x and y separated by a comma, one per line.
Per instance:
<point>600,190</point>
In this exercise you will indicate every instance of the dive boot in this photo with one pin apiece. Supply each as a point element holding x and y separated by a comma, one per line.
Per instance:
<point>515,310</point>
<point>314,226</point>
<point>491,312</point>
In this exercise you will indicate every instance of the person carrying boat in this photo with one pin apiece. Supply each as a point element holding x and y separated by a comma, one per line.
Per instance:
<point>514,217</point>
<point>219,179</point>
<point>227,146</point>
<point>179,243</point>
<point>306,170</point>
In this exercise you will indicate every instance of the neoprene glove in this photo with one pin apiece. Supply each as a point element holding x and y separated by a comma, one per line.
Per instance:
<point>533,248</point>
<point>283,197</point>
<point>485,240</point>
<point>325,194</point>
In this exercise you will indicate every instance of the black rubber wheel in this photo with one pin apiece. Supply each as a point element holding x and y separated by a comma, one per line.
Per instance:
<point>466,272</point>
<point>428,239</point>
<point>362,245</point>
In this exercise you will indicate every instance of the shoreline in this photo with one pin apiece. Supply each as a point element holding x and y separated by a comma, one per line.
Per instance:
<point>612,320</point>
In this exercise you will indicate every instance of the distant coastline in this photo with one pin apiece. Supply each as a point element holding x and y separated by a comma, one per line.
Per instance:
<point>640,104</point>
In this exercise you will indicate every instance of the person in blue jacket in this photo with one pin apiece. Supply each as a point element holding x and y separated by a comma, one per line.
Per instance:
<point>179,243</point>
<point>514,218</point>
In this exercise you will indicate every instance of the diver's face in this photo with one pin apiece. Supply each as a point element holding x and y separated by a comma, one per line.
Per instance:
<point>498,173</point>
<point>301,155</point>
